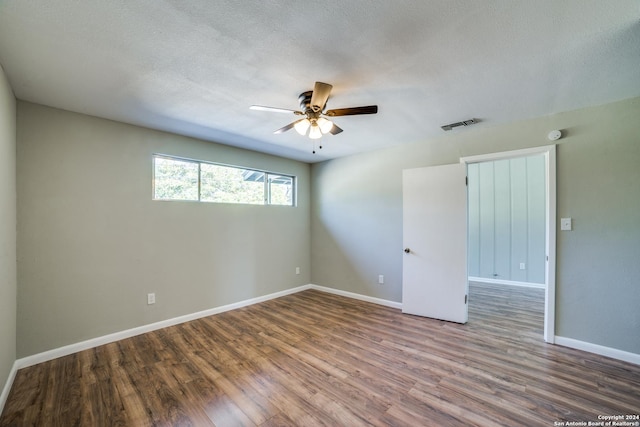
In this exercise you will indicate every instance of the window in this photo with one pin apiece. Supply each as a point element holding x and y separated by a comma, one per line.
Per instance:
<point>175,179</point>
<point>182,179</point>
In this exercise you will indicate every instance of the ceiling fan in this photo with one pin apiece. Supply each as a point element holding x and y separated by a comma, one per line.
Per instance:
<point>314,120</point>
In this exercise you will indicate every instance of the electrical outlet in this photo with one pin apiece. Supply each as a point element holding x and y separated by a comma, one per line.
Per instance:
<point>381,279</point>
<point>297,270</point>
<point>522,266</point>
<point>151,298</point>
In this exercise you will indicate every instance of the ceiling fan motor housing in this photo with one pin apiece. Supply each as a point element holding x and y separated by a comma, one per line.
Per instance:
<point>305,102</point>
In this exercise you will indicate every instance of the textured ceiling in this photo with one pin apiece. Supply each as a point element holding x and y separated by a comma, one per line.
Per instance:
<point>194,67</point>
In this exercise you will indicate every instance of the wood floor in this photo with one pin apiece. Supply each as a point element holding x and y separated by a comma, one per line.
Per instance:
<point>318,359</point>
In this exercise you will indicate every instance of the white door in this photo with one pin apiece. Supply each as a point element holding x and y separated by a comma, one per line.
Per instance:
<point>434,271</point>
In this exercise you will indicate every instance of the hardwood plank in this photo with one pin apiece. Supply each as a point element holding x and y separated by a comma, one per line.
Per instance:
<point>318,359</point>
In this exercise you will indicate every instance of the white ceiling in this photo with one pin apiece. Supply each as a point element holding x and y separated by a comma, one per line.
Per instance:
<point>194,67</point>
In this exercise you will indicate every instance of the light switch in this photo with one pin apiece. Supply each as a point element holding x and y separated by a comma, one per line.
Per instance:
<point>565,224</point>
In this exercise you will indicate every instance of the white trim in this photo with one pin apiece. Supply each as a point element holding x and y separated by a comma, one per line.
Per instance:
<point>85,345</point>
<point>379,301</point>
<point>525,152</point>
<point>507,282</point>
<point>549,152</point>
<point>106,339</point>
<point>550,272</point>
<point>599,349</point>
<point>563,341</point>
<point>7,386</point>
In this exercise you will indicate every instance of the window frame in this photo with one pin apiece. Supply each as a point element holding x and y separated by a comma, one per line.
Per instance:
<point>266,200</point>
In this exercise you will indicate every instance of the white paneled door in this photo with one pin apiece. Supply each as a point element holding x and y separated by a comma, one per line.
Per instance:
<point>434,281</point>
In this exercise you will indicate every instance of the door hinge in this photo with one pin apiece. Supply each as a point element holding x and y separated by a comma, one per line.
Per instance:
<point>466,181</point>
<point>465,299</point>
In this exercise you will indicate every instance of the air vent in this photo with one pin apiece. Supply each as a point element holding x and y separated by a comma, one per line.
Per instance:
<point>462,123</point>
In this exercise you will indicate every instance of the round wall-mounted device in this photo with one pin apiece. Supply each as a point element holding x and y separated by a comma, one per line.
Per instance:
<point>554,135</point>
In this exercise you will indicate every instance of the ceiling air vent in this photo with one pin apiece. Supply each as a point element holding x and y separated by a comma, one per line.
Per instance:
<point>462,123</point>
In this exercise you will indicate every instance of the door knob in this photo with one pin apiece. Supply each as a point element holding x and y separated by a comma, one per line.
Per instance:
<point>407,250</point>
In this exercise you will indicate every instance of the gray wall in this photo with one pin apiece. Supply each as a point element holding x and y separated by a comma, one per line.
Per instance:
<point>356,217</point>
<point>8,281</point>
<point>92,243</point>
<point>507,225</point>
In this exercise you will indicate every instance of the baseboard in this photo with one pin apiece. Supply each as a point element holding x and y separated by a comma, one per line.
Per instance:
<point>625,356</point>
<point>85,345</point>
<point>508,282</point>
<point>360,297</point>
<point>7,386</point>
<point>106,339</point>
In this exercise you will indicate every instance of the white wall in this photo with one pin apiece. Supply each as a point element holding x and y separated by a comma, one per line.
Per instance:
<point>92,243</point>
<point>8,282</point>
<point>507,219</point>
<point>356,217</point>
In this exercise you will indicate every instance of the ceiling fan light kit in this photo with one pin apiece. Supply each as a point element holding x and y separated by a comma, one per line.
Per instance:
<point>318,127</point>
<point>315,132</point>
<point>325,125</point>
<point>313,104</point>
<point>302,126</point>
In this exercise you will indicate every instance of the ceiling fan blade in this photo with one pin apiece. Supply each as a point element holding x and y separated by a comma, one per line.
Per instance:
<point>274,109</point>
<point>320,95</point>
<point>288,127</point>
<point>335,130</point>
<point>369,109</point>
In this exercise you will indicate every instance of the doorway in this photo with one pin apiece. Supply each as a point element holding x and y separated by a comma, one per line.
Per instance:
<point>546,270</point>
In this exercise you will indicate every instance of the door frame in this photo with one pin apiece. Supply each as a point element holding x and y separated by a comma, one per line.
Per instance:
<point>549,152</point>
